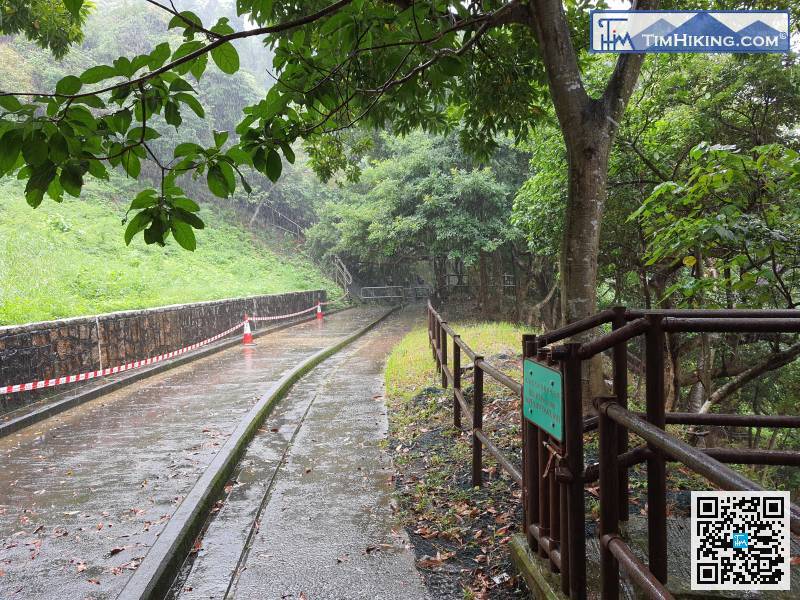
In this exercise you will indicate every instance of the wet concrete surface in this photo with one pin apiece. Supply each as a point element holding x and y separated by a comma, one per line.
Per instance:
<point>309,514</point>
<point>84,494</point>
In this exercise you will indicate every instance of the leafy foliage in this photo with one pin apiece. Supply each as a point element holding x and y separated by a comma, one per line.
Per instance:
<point>739,209</point>
<point>51,24</point>
<point>423,199</point>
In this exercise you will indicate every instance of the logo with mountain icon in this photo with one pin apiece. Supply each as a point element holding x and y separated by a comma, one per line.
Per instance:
<point>620,31</point>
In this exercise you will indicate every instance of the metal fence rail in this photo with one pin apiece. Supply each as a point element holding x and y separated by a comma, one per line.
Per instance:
<point>553,475</point>
<point>382,292</point>
<point>438,330</point>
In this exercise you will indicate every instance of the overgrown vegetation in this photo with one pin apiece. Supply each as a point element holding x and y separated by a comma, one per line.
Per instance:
<point>68,261</point>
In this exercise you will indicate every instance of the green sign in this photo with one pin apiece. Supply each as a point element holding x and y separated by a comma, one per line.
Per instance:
<point>541,397</point>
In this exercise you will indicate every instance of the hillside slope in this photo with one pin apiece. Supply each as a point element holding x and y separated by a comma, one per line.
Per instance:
<point>70,259</point>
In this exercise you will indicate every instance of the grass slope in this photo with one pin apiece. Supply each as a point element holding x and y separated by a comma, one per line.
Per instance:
<point>70,259</point>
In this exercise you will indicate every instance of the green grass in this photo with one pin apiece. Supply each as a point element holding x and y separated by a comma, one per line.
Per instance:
<point>70,259</point>
<point>410,365</point>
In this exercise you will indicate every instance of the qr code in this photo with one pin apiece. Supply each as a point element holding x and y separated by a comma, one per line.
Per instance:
<point>740,540</point>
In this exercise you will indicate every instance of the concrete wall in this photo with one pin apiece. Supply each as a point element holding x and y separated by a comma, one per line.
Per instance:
<point>55,348</point>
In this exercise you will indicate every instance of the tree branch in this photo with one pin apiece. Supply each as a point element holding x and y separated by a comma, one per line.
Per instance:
<point>299,22</point>
<point>623,79</point>
<point>560,60</point>
<point>770,363</point>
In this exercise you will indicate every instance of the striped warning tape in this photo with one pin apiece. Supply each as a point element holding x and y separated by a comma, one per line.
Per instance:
<point>46,383</point>
<point>276,317</point>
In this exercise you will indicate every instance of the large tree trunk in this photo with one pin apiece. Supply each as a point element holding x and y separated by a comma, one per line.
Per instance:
<point>587,149</point>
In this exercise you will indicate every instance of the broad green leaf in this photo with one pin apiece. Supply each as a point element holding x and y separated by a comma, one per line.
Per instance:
<point>183,234</point>
<point>188,217</point>
<point>222,27</point>
<point>98,73</point>
<point>158,56</point>
<point>71,179</point>
<point>124,67</point>
<point>288,152</point>
<point>120,120</point>
<point>230,177</point>
<point>198,66</point>
<point>216,181</point>
<point>220,137</point>
<point>239,156</point>
<point>38,182</point>
<point>10,103</point>
<point>59,151</point>
<point>34,149</point>
<point>179,84</point>
<point>131,164</point>
<point>74,7</point>
<point>273,166</point>
<point>185,204</point>
<point>69,85</point>
<point>186,48</point>
<point>192,103</point>
<point>136,224</point>
<point>187,149</point>
<point>181,23</point>
<point>155,233</point>
<point>226,58</point>
<point>172,114</point>
<point>93,101</point>
<point>10,146</point>
<point>144,199</point>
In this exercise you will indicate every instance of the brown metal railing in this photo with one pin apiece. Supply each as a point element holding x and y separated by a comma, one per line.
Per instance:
<point>553,474</point>
<point>438,332</point>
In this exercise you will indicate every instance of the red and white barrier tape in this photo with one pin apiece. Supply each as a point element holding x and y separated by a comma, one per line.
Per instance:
<point>46,383</point>
<point>276,317</point>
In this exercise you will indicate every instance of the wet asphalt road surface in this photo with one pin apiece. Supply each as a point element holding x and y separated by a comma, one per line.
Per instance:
<point>309,513</point>
<point>84,494</point>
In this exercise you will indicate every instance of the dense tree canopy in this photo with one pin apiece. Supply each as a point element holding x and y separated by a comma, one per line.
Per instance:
<point>489,68</point>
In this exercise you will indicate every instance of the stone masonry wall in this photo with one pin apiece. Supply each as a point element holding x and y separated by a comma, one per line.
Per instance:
<point>55,348</point>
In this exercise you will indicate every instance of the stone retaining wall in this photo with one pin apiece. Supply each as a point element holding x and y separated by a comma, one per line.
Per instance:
<point>55,348</point>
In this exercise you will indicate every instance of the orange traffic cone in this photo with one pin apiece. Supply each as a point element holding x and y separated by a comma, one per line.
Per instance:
<point>319,311</point>
<point>247,338</point>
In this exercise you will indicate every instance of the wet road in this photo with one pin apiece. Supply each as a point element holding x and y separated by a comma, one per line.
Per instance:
<point>309,514</point>
<point>84,494</point>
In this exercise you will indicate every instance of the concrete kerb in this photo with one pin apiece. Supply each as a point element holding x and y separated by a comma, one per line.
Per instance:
<point>541,582</point>
<point>157,571</point>
<point>53,408</point>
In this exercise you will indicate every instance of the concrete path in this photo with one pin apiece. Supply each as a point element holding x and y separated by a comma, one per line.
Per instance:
<point>83,495</point>
<point>309,514</point>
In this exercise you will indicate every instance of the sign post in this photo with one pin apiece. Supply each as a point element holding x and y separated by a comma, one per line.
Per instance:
<point>542,399</point>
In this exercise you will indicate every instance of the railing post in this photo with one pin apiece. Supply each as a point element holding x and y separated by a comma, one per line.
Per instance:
<point>555,505</point>
<point>444,355</point>
<point>437,336</point>
<point>573,445</point>
<point>621,394</point>
<point>530,457</point>
<point>431,329</point>
<point>609,501</point>
<point>656,464</point>
<point>543,497</point>
<point>456,381</point>
<point>477,424</point>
